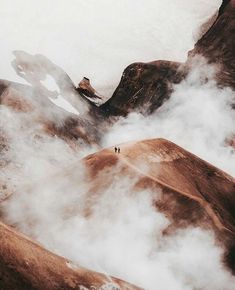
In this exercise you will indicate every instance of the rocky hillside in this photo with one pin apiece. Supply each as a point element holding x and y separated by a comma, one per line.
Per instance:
<point>50,111</point>
<point>145,86</point>
<point>25,265</point>
<point>217,44</point>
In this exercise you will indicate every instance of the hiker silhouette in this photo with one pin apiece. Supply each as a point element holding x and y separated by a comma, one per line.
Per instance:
<point>116,149</point>
<point>119,150</point>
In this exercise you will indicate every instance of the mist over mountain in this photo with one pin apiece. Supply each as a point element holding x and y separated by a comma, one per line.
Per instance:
<point>117,145</point>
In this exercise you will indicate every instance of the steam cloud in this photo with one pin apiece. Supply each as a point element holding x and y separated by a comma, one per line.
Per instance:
<point>123,237</point>
<point>199,117</point>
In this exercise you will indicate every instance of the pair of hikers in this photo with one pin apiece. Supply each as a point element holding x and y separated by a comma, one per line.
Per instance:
<point>117,149</point>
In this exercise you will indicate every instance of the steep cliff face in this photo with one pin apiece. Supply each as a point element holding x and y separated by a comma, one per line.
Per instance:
<point>217,44</point>
<point>145,86</point>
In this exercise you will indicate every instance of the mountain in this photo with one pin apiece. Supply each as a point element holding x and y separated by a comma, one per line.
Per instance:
<point>145,86</point>
<point>192,191</point>
<point>187,190</point>
<point>26,265</point>
<point>49,100</point>
<point>217,44</point>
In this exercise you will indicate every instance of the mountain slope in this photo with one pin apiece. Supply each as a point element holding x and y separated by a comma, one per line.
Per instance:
<point>218,43</point>
<point>25,265</point>
<point>192,191</point>
<point>145,86</point>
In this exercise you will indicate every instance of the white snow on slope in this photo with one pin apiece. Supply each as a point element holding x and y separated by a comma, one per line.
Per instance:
<point>50,84</point>
<point>65,105</point>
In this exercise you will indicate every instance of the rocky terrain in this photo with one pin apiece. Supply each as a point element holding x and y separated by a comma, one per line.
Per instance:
<point>145,86</point>
<point>217,44</point>
<point>188,191</point>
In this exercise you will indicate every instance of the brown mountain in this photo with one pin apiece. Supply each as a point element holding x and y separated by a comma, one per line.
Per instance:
<point>145,86</point>
<point>25,265</point>
<point>218,43</point>
<point>190,192</point>
<point>193,192</point>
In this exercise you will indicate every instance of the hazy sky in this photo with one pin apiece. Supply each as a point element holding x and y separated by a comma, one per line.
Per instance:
<point>99,38</point>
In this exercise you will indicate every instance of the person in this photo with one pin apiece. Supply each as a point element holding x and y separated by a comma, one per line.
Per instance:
<point>115,149</point>
<point>119,149</point>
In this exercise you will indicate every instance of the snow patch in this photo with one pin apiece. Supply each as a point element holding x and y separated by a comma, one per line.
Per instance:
<point>50,83</point>
<point>65,105</point>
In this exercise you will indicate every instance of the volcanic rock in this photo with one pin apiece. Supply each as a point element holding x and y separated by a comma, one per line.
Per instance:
<point>217,44</point>
<point>145,86</point>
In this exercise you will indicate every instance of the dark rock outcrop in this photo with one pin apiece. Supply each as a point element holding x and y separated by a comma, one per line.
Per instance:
<point>145,86</point>
<point>218,43</point>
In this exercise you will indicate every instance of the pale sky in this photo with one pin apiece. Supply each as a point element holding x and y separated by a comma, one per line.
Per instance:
<point>100,38</point>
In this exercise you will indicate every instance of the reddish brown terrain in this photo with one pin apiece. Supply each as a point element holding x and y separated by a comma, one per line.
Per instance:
<point>192,191</point>
<point>25,265</point>
<point>186,189</point>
